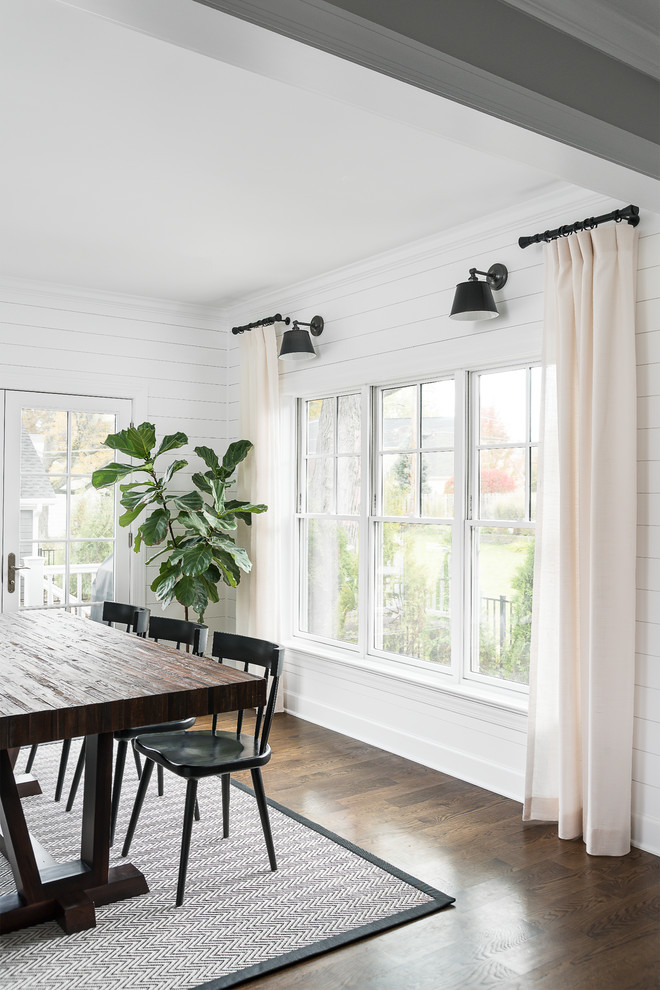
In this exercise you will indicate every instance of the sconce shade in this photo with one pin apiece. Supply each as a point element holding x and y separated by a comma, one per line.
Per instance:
<point>297,346</point>
<point>473,301</point>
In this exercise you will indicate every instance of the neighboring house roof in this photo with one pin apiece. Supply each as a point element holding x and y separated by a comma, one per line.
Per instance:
<point>35,483</point>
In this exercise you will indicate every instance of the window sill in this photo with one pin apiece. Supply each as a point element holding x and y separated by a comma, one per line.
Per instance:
<point>440,684</point>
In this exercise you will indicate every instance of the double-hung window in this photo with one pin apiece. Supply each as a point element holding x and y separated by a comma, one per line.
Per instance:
<point>415,522</point>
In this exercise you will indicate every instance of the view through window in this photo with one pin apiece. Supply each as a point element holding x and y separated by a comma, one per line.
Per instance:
<point>426,554</point>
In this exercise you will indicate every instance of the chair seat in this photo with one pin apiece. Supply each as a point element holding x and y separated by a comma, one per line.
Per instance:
<point>139,730</point>
<point>202,754</point>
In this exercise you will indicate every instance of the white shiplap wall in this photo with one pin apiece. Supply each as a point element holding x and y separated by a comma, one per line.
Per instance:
<point>386,319</point>
<point>168,358</point>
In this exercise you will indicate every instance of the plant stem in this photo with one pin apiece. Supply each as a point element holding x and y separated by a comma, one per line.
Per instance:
<point>161,499</point>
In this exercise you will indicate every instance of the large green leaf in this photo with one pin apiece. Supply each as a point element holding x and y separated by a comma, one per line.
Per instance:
<point>137,484</point>
<point>172,470</point>
<point>235,453</point>
<point>191,500</point>
<point>131,499</point>
<point>218,487</point>
<point>171,442</point>
<point>225,523</point>
<point>136,441</point>
<point>211,588</point>
<point>209,457</point>
<point>230,572</point>
<point>196,559</point>
<point>109,474</point>
<point>196,521</point>
<point>202,482</point>
<point>185,590</point>
<point>154,529</point>
<point>238,554</point>
<point>165,581</point>
<point>126,518</point>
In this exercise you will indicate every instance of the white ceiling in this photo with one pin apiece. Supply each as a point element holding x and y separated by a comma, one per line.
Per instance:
<point>132,165</point>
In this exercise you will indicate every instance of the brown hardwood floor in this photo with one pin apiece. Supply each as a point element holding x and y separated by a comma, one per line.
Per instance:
<point>531,910</point>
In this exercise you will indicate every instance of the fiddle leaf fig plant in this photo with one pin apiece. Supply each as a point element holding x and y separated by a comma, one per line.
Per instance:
<point>196,528</point>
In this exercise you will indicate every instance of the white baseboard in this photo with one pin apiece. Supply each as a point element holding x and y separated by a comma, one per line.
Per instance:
<point>482,773</point>
<point>491,776</point>
<point>646,833</point>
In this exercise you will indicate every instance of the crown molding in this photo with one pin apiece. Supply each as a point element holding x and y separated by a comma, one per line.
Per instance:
<point>603,27</point>
<point>545,212</point>
<point>79,299</point>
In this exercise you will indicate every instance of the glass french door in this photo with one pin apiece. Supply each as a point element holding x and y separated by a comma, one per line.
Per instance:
<point>61,545</point>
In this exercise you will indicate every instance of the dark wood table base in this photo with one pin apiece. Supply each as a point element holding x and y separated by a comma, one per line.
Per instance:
<point>66,892</point>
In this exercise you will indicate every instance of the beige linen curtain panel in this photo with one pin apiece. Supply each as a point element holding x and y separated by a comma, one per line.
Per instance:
<point>579,752</point>
<point>258,594</point>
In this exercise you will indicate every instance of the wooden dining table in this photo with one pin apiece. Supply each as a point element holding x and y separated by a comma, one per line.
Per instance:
<point>62,677</point>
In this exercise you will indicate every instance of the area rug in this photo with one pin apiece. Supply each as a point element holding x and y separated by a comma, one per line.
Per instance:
<point>238,921</point>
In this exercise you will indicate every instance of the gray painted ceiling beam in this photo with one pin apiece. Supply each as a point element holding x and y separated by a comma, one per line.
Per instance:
<point>489,56</point>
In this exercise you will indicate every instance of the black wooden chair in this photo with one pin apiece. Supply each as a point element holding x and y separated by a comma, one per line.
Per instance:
<point>189,634</point>
<point>136,620</point>
<point>211,753</point>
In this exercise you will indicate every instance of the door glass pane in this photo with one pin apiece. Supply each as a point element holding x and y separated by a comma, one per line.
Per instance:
<point>43,442</point>
<point>503,602</point>
<point>503,407</point>
<point>413,573</point>
<point>67,527</point>
<point>88,431</point>
<point>330,609</point>
<point>92,510</point>
<point>438,405</point>
<point>400,418</point>
<point>91,571</point>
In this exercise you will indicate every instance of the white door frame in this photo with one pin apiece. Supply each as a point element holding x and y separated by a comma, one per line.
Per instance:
<point>126,407</point>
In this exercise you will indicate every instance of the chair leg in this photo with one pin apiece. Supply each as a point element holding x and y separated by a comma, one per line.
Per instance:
<point>260,795</point>
<point>161,785</point>
<point>138,764</point>
<point>225,780</point>
<point>137,807</point>
<point>31,756</point>
<point>64,760</point>
<point>120,763</point>
<point>77,775</point>
<point>191,798</point>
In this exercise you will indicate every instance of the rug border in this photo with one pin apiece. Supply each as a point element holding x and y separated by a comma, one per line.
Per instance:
<point>439,900</point>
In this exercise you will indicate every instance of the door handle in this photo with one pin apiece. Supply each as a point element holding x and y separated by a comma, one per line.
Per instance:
<point>12,567</point>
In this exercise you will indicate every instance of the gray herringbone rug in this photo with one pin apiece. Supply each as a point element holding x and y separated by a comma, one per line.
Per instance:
<point>238,920</point>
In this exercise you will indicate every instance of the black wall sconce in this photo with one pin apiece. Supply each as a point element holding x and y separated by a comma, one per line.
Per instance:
<point>296,342</point>
<point>473,300</point>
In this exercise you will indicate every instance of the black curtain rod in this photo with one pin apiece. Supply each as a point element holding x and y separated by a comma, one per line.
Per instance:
<point>629,213</point>
<point>266,322</point>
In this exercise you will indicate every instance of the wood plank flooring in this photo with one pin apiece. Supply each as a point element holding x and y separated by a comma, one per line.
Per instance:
<point>531,911</point>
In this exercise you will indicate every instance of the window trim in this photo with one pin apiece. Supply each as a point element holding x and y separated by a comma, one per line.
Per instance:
<point>454,680</point>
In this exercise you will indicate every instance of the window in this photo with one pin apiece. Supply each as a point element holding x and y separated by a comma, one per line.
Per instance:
<point>329,500</point>
<point>416,522</point>
<point>413,520</point>
<point>504,427</point>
